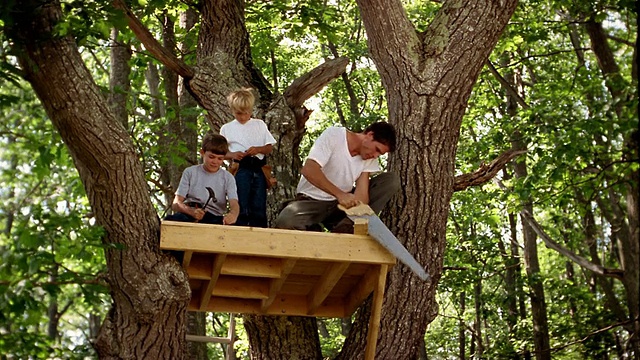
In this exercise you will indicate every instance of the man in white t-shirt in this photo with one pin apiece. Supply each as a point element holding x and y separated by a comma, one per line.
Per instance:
<point>337,160</point>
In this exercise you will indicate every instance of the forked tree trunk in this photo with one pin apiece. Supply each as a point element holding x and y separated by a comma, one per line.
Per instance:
<point>224,64</point>
<point>150,291</point>
<point>428,78</point>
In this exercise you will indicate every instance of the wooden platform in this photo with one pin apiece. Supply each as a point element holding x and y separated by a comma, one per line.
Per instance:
<point>277,272</point>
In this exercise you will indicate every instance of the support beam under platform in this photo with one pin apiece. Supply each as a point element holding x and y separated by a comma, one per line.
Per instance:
<point>280,272</point>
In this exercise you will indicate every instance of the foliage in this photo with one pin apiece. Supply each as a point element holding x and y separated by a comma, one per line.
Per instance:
<point>51,253</point>
<point>579,162</point>
<point>577,156</point>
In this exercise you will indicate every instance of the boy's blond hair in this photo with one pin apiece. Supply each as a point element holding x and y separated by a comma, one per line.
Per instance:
<point>241,100</point>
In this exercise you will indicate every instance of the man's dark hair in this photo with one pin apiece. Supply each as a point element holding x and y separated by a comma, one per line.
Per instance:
<point>215,143</point>
<point>384,133</point>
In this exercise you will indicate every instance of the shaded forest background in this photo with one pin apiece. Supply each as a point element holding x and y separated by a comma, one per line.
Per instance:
<point>552,241</point>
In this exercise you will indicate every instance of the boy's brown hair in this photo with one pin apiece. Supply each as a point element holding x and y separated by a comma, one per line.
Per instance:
<point>215,143</point>
<point>241,100</point>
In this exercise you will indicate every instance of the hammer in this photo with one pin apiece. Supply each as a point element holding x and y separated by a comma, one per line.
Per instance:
<point>212,195</point>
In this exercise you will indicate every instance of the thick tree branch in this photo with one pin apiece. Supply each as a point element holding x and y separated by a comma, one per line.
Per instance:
<point>595,268</point>
<point>486,171</point>
<point>315,80</point>
<point>150,43</point>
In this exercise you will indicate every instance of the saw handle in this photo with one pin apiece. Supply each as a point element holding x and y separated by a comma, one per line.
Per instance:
<point>361,209</point>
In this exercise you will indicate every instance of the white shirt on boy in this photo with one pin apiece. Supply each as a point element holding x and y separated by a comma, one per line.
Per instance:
<point>243,136</point>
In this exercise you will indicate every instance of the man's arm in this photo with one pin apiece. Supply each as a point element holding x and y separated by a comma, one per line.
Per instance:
<point>362,188</point>
<point>232,216</point>
<point>312,171</point>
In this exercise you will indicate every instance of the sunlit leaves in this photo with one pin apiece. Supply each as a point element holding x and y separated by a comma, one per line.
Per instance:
<point>576,159</point>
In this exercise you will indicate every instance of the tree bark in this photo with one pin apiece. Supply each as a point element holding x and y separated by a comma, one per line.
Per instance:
<point>119,84</point>
<point>462,327</point>
<point>530,254</point>
<point>283,337</point>
<point>532,267</point>
<point>428,79</point>
<point>477,322</point>
<point>511,263</point>
<point>150,291</point>
<point>224,64</point>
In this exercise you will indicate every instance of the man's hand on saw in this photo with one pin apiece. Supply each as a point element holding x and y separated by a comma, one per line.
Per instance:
<point>348,200</point>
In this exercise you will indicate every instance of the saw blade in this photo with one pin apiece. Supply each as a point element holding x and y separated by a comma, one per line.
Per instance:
<point>379,231</point>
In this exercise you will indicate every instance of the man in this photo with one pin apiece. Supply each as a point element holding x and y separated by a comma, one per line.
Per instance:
<point>338,159</point>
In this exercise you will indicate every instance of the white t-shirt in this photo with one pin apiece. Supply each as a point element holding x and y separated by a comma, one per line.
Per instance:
<point>243,136</point>
<point>195,180</point>
<point>331,152</point>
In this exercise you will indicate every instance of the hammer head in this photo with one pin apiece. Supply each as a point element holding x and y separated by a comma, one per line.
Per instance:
<point>212,196</point>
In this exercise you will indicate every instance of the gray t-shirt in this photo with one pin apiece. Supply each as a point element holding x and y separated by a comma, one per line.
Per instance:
<point>195,180</point>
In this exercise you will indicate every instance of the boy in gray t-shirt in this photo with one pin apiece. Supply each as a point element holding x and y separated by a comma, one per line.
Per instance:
<point>194,202</point>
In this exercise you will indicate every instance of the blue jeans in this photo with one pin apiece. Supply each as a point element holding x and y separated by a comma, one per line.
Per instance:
<point>208,218</point>
<point>252,196</point>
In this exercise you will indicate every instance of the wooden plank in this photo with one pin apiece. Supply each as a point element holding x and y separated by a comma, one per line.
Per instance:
<point>208,339</point>
<point>252,266</point>
<point>361,291</point>
<point>376,311</point>
<point>205,295</point>
<point>187,259</point>
<point>309,267</point>
<point>200,266</point>
<point>231,354</point>
<point>241,287</point>
<point>276,284</point>
<point>360,226</point>
<point>345,285</point>
<point>277,243</point>
<point>283,305</point>
<point>323,287</point>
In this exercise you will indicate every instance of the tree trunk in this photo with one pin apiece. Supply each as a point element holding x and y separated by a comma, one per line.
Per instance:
<point>119,84</point>
<point>52,310</point>
<point>188,125</point>
<point>150,291</point>
<point>428,78</point>
<point>532,267</point>
<point>477,323</point>
<point>283,337</point>
<point>629,235</point>
<point>511,264</point>
<point>197,325</point>
<point>462,328</point>
<point>224,65</point>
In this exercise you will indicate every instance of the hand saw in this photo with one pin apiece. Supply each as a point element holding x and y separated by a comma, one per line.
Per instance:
<point>379,231</point>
